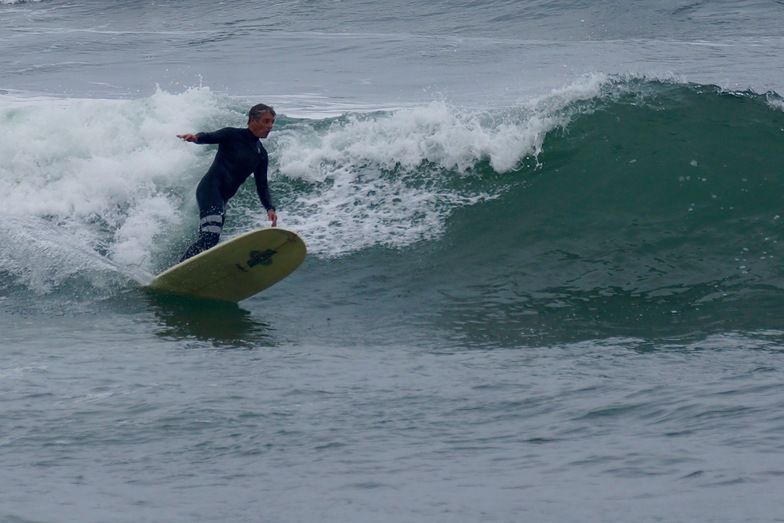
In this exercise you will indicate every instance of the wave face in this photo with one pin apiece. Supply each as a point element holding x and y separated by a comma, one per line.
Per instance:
<point>657,207</point>
<point>621,205</point>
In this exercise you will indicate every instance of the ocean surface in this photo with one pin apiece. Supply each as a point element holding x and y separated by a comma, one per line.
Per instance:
<point>544,279</point>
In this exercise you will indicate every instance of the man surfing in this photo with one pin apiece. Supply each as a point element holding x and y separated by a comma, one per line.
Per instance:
<point>240,153</point>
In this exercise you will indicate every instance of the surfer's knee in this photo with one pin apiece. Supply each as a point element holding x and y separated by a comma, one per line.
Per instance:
<point>211,224</point>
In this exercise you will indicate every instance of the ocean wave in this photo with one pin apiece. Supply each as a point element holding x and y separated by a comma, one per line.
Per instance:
<point>607,197</point>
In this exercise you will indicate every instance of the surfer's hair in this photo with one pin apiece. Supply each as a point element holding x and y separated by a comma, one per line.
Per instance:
<point>257,110</point>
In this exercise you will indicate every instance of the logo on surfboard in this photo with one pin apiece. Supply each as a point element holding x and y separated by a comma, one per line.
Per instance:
<point>260,257</point>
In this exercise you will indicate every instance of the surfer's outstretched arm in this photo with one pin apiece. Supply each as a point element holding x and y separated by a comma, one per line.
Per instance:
<point>188,137</point>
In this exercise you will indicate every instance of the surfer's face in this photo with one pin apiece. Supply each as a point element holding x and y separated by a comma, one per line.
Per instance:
<point>262,125</point>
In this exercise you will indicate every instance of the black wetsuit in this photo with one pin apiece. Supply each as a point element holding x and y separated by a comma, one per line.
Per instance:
<point>239,154</point>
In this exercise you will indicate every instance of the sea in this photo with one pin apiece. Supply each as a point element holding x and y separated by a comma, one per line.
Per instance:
<point>544,280</point>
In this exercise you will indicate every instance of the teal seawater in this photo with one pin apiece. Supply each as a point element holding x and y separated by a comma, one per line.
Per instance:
<point>656,210</point>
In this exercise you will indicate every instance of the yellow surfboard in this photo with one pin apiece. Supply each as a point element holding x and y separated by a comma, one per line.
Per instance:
<point>236,269</point>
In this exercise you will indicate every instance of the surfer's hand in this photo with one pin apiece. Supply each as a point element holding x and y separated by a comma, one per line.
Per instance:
<point>187,137</point>
<point>273,217</point>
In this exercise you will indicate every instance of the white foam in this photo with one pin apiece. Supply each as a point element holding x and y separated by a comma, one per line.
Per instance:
<point>41,257</point>
<point>109,181</point>
<point>109,176</point>
<point>393,178</point>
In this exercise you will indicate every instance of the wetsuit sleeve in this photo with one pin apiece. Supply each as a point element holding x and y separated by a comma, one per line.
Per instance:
<point>213,137</point>
<point>262,187</point>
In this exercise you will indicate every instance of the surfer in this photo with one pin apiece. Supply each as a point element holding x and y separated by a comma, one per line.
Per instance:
<point>240,153</point>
